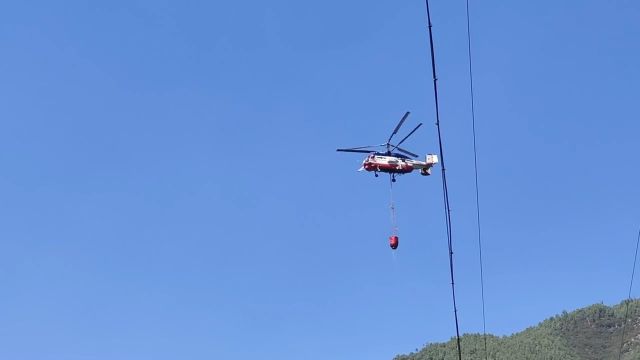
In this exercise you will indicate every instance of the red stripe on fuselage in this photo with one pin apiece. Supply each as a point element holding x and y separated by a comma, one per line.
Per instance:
<point>388,168</point>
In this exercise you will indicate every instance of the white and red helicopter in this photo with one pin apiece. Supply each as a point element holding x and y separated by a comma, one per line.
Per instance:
<point>395,160</point>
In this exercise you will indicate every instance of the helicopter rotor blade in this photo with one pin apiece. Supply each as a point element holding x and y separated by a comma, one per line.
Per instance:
<point>395,131</point>
<point>356,151</point>
<point>406,137</point>
<point>364,147</point>
<point>406,152</point>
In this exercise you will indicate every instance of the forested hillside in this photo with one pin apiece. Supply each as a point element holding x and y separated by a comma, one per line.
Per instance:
<point>592,333</point>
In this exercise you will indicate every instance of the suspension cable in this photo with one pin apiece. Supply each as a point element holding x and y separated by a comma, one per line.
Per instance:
<point>392,207</point>
<point>475,166</point>
<point>626,311</point>
<point>445,190</point>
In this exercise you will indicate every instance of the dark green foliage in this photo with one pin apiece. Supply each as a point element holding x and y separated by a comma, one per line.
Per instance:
<point>592,333</point>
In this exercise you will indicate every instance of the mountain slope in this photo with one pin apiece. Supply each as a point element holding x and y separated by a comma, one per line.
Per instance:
<point>592,333</point>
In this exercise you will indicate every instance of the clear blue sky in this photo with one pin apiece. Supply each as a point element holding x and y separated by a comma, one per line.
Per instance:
<point>170,187</point>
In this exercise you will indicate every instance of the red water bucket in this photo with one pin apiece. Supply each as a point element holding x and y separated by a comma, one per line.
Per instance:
<point>393,242</point>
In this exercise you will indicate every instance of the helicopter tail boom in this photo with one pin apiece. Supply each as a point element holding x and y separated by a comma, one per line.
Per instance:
<point>430,160</point>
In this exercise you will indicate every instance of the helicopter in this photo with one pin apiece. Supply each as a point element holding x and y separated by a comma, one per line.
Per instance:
<point>393,160</point>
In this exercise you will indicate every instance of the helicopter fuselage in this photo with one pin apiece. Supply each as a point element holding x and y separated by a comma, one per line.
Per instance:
<point>398,164</point>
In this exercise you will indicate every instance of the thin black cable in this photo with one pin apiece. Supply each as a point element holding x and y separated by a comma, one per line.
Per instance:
<point>475,167</point>
<point>445,189</point>
<point>626,311</point>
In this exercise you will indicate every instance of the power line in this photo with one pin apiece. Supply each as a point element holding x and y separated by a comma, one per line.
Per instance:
<point>445,190</point>
<point>475,166</point>
<point>626,311</point>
